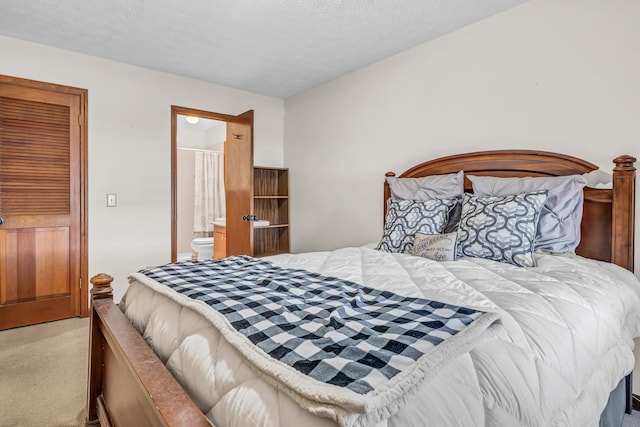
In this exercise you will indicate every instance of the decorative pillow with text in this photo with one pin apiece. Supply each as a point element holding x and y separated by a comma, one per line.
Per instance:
<point>438,247</point>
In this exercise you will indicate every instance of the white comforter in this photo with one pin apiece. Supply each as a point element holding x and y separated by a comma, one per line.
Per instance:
<point>567,342</point>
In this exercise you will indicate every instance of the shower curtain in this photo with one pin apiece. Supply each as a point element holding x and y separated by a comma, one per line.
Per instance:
<point>209,202</point>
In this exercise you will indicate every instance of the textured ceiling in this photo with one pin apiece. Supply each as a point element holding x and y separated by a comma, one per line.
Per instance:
<point>272,47</point>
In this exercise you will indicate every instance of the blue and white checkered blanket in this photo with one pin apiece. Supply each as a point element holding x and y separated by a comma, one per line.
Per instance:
<point>337,332</point>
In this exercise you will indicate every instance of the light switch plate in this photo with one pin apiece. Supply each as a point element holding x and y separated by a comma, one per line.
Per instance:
<point>111,200</point>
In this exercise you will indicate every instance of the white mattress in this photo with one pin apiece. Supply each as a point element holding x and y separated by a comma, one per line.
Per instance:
<point>568,340</point>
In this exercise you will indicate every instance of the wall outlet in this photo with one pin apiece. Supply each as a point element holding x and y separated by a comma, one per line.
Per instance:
<point>111,200</point>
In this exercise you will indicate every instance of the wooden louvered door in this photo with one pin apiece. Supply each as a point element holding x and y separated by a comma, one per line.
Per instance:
<point>40,205</point>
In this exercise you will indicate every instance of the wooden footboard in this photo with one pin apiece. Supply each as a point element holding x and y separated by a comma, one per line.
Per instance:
<point>128,385</point>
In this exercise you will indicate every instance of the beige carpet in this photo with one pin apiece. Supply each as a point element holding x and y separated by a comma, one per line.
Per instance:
<point>43,374</point>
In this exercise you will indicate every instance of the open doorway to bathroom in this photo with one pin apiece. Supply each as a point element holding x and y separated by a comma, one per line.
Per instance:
<point>200,185</point>
<point>211,177</point>
<point>197,180</point>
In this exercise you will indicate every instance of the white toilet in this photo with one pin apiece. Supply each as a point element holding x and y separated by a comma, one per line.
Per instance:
<point>204,247</point>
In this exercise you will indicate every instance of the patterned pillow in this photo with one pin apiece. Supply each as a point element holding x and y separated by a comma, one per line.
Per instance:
<point>559,225</point>
<point>405,218</point>
<point>446,186</point>
<point>500,228</point>
<point>438,247</point>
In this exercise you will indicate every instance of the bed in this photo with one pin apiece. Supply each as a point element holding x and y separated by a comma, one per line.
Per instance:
<point>129,383</point>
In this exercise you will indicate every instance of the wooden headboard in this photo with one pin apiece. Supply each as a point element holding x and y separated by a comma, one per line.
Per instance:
<point>608,218</point>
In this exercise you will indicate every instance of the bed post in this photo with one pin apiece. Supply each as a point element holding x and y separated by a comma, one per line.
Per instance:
<point>387,195</point>
<point>623,215</point>
<point>101,290</point>
<point>622,234</point>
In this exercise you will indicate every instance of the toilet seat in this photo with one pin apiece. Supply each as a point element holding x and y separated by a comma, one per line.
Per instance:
<point>203,241</point>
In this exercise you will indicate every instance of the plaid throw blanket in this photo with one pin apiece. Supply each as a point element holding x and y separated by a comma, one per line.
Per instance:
<point>340,350</point>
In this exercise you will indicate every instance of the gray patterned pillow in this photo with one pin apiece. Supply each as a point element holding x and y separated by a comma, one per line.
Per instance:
<point>500,228</point>
<point>447,186</point>
<point>559,225</point>
<point>405,218</point>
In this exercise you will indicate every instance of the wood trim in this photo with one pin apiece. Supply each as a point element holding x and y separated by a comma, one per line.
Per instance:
<point>84,196</point>
<point>174,184</point>
<point>35,84</point>
<point>203,114</point>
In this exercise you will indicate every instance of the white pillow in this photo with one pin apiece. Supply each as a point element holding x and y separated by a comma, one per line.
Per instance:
<point>430,187</point>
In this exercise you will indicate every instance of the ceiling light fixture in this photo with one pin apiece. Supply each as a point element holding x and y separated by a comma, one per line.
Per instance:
<point>193,120</point>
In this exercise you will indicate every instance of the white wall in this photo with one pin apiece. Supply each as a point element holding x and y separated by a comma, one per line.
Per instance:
<point>216,137</point>
<point>130,145</point>
<point>556,75</point>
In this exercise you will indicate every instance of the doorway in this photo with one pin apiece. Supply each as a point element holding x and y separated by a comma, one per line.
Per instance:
<point>204,134</point>
<point>43,169</point>
<point>199,185</point>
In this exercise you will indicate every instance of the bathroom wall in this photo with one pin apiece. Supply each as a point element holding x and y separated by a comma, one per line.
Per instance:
<point>215,137</point>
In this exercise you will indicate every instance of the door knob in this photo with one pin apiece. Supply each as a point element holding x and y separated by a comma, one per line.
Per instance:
<point>1,221</point>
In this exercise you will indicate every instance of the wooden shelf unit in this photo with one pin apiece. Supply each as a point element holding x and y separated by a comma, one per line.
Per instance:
<point>271,203</point>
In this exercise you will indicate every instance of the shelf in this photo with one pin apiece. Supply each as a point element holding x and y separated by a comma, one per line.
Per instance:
<point>271,203</point>
<point>270,240</point>
<point>272,209</point>
<point>270,182</point>
<point>270,197</point>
